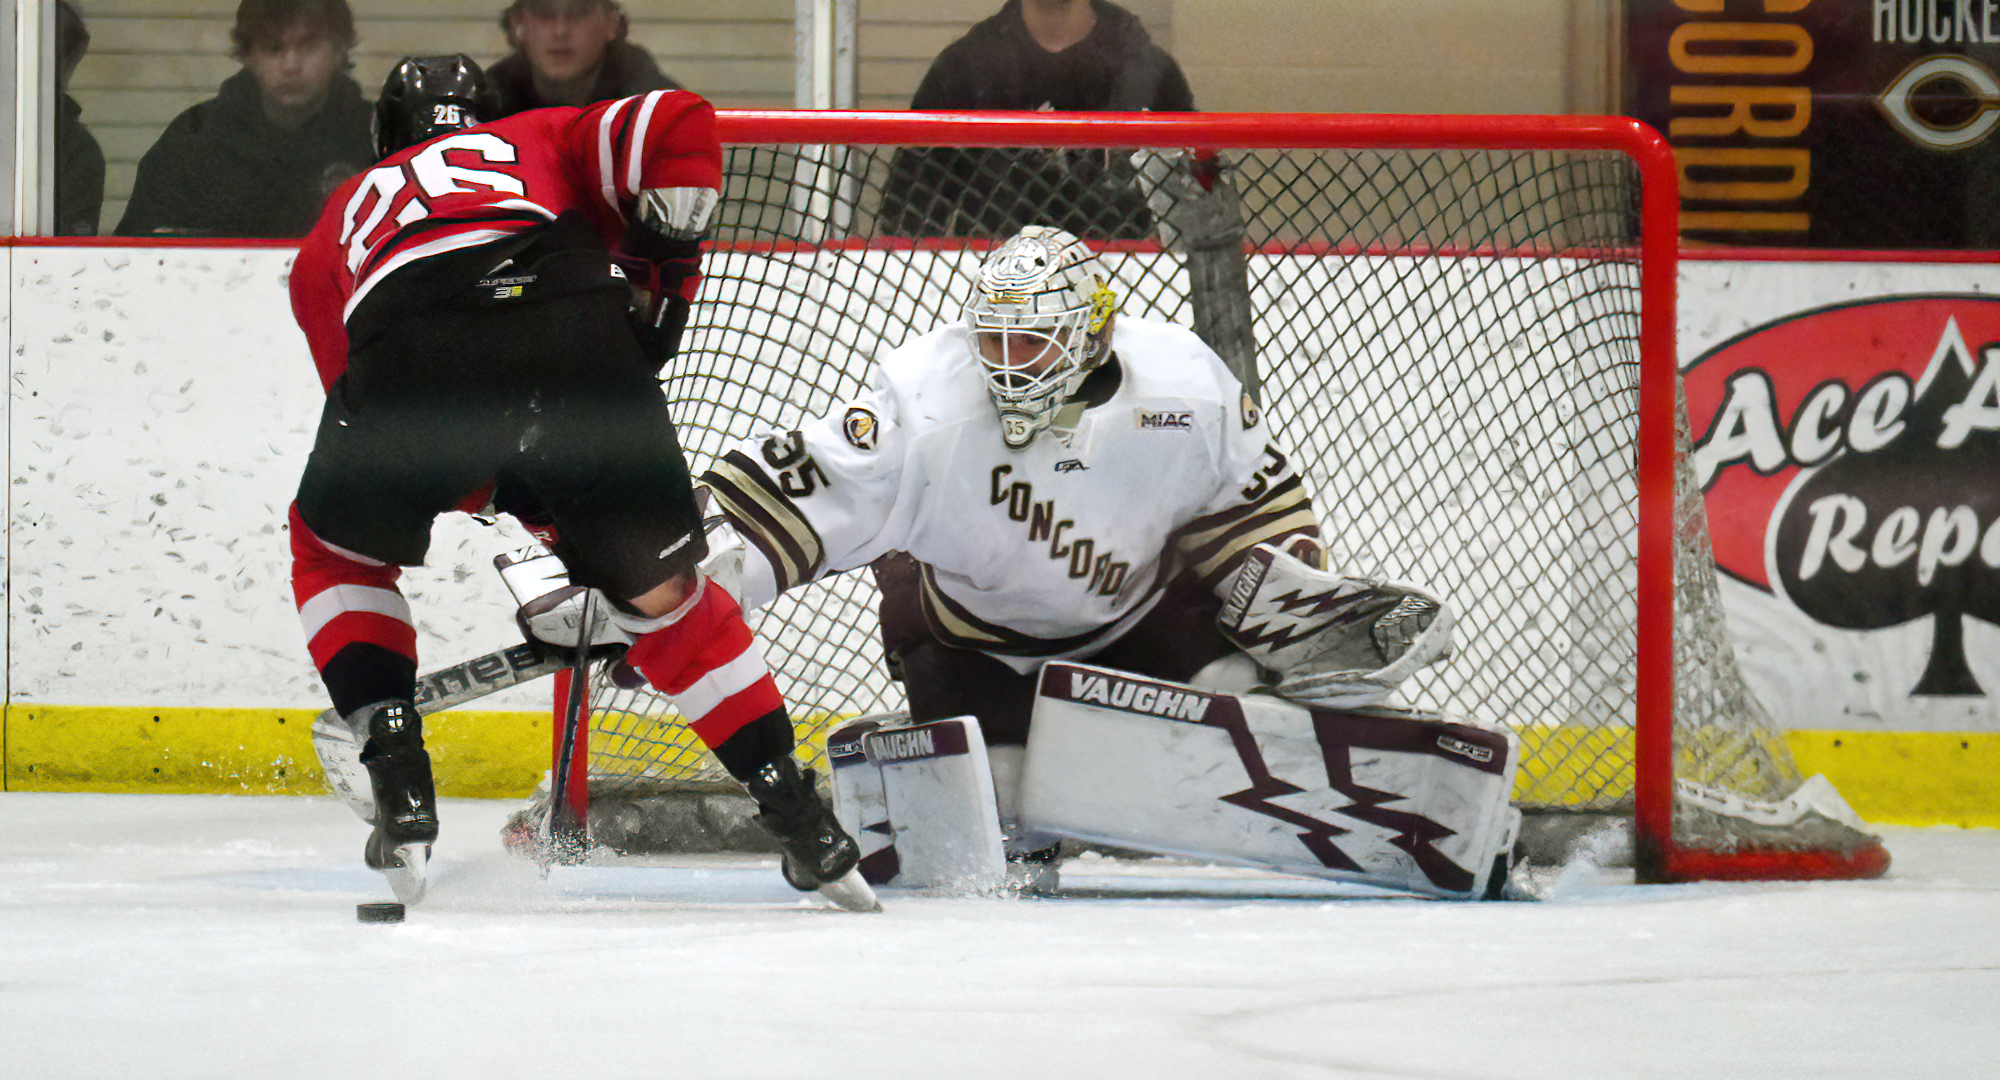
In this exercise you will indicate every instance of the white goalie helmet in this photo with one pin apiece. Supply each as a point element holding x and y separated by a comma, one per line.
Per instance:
<point>1038,320</point>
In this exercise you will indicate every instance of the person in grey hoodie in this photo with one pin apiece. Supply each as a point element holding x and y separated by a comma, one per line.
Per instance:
<point>261,157</point>
<point>571,52</point>
<point>1059,55</point>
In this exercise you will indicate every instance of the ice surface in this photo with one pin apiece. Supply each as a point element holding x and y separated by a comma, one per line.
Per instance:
<point>203,936</point>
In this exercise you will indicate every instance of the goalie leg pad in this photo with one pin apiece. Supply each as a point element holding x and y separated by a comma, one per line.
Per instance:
<point>859,803</point>
<point>1398,798</point>
<point>919,800</point>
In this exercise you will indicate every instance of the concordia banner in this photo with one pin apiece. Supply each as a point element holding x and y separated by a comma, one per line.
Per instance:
<point>1849,450</point>
<point>1828,124</point>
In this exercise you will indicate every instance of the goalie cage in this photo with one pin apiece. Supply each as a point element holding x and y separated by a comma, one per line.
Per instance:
<point>1464,328</point>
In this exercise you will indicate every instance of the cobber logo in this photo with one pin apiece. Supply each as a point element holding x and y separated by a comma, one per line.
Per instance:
<point>1851,461</point>
<point>861,428</point>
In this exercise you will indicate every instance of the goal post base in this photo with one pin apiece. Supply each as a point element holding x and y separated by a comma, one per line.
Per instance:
<point>1654,865</point>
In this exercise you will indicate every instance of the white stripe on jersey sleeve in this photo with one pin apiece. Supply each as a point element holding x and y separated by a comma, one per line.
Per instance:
<point>524,204</point>
<point>635,154</point>
<point>607,173</point>
<point>717,686</point>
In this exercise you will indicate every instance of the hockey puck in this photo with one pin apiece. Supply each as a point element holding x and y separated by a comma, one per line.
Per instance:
<point>379,912</point>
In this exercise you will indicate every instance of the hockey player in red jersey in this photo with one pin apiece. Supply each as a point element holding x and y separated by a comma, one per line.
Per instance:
<point>488,309</point>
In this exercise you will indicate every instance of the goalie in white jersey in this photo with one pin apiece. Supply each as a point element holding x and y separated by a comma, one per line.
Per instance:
<point>1046,480</point>
<point>1039,480</point>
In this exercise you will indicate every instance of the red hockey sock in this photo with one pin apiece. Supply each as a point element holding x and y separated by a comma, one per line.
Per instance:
<point>347,600</point>
<point>708,661</point>
<point>357,623</point>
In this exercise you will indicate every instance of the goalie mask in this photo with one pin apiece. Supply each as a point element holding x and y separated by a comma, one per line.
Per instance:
<point>1038,321</point>
<point>428,96</point>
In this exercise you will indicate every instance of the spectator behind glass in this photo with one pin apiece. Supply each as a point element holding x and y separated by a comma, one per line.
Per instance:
<point>79,160</point>
<point>262,155</point>
<point>570,52</point>
<point>1062,55</point>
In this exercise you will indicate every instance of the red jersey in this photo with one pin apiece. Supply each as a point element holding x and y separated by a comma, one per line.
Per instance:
<point>481,184</point>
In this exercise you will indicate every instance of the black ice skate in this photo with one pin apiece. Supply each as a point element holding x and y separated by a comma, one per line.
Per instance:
<point>818,853</point>
<point>406,820</point>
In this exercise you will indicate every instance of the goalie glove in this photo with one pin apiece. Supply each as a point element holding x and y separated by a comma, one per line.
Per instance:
<point>1333,641</point>
<point>1194,203</point>
<point>660,257</point>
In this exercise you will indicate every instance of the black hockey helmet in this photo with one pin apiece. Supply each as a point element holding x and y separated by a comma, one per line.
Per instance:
<point>427,96</point>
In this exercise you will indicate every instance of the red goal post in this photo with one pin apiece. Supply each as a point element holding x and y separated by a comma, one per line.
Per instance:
<point>806,192</point>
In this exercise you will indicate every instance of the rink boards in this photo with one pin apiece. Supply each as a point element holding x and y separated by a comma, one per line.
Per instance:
<point>162,405</point>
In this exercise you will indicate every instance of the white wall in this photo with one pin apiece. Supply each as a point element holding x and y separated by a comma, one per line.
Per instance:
<point>162,406</point>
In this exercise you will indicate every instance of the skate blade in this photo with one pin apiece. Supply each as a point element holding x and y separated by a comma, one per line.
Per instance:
<point>851,893</point>
<point>406,871</point>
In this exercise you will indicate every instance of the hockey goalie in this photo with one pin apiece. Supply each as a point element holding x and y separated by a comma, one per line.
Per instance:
<point>1102,587</point>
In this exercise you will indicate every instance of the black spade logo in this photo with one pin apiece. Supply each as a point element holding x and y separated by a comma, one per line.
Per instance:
<point>1886,534</point>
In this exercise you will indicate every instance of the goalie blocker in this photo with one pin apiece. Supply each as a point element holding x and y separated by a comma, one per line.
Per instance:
<point>1393,797</point>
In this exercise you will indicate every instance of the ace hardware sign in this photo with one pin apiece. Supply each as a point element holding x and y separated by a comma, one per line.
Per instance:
<point>1850,456</point>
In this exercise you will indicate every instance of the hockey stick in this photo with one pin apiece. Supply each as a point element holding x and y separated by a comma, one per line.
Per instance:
<point>480,676</point>
<point>473,679</point>
<point>568,838</point>
<point>1198,214</point>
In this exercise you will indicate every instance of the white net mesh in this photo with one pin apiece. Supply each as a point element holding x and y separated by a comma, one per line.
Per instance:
<point>1448,340</point>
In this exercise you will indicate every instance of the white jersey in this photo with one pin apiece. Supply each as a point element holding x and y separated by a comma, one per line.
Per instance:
<point>1050,551</point>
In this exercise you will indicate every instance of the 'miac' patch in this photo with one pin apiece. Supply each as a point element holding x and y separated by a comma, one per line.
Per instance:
<point>861,428</point>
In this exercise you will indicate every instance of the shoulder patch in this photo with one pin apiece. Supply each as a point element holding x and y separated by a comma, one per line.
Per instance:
<point>861,428</point>
<point>1250,413</point>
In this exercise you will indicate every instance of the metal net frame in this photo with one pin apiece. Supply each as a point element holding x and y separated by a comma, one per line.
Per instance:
<point>1461,326</point>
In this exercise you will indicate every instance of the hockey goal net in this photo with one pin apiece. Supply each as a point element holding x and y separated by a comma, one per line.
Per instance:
<point>1464,328</point>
